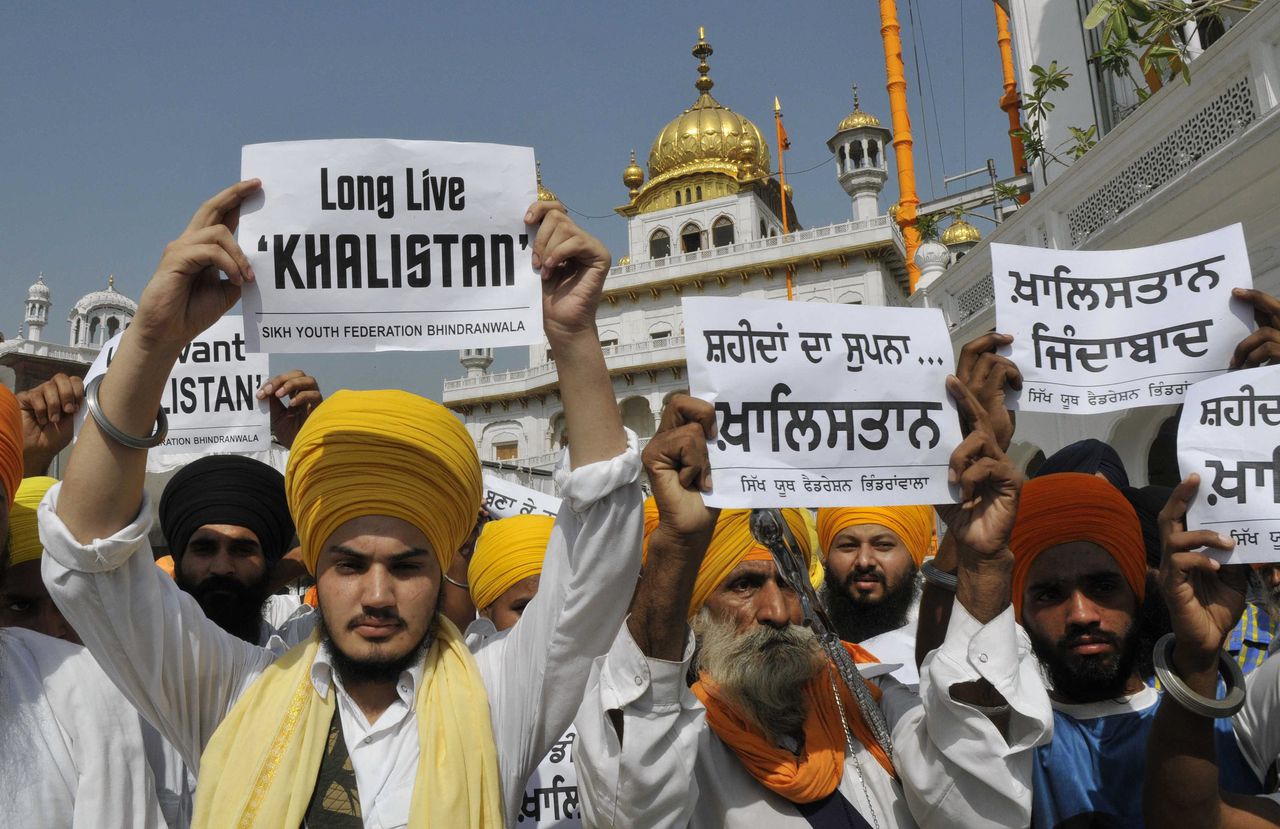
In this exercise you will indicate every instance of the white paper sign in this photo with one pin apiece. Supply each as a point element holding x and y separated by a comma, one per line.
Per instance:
<point>1101,331</point>
<point>378,245</point>
<point>823,405</point>
<point>504,499</point>
<point>1229,433</point>
<point>211,396</point>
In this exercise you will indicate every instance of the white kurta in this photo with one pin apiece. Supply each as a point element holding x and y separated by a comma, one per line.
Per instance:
<point>670,770</point>
<point>71,750</point>
<point>184,673</point>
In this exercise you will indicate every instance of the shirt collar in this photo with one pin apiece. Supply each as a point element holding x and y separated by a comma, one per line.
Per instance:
<point>323,676</point>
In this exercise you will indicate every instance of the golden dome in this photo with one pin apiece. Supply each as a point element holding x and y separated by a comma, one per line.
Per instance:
<point>626,260</point>
<point>543,193</point>
<point>857,118</point>
<point>960,232</point>
<point>708,136</point>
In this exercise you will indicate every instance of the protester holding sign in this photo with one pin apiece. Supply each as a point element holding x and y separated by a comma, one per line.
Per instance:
<point>764,736</point>
<point>384,487</point>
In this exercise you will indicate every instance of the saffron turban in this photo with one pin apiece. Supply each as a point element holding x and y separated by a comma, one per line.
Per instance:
<point>731,544</point>
<point>914,525</point>
<point>226,489</point>
<point>383,453</point>
<point>508,551</point>
<point>10,444</point>
<point>1089,456</point>
<point>1072,506</point>
<point>24,532</point>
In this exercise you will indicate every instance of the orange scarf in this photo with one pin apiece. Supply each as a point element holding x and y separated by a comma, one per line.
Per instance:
<point>816,773</point>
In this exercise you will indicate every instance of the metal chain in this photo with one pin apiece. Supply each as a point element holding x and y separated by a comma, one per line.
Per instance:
<point>851,751</point>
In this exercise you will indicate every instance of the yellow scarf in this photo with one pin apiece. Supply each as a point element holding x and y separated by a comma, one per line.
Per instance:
<point>260,768</point>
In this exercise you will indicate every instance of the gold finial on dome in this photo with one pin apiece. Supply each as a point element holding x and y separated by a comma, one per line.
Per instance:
<point>633,176</point>
<point>111,282</point>
<point>857,118</point>
<point>960,232</point>
<point>702,50</point>
<point>543,193</point>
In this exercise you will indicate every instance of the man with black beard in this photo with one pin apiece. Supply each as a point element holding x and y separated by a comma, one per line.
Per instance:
<point>873,555</point>
<point>227,523</point>
<point>1079,580</point>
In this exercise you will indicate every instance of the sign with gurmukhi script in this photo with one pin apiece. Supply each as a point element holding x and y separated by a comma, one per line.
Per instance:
<point>1100,331</point>
<point>823,405</point>
<point>211,396</point>
<point>1230,434</point>
<point>379,245</point>
<point>504,499</point>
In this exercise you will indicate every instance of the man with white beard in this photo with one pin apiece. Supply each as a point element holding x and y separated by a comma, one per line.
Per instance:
<point>769,735</point>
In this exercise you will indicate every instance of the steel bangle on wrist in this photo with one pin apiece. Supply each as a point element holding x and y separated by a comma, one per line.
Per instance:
<point>112,431</point>
<point>1189,699</point>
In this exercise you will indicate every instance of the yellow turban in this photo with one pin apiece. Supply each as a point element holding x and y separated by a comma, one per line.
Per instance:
<point>914,525</point>
<point>383,453</point>
<point>731,544</point>
<point>508,551</point>
<point>24,532</point>
<point>10,443</point>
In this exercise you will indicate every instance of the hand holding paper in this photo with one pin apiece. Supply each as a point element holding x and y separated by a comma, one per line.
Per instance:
<point>303,392</point>
<point>1262,347</point>
<point>1205,598</point>
<point>573,264</point>
<point>987,373</point>
<point>185,295</point>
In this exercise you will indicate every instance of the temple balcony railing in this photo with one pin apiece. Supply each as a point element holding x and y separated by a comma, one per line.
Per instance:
<point>1184,162</point>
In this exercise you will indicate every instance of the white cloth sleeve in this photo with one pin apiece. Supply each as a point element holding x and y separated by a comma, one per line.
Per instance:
<point>956,768</point>
<point>180,670</point>
<point>638,732</point>
<point>1255,723</point>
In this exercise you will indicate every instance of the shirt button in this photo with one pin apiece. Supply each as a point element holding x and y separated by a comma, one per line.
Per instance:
<point>982,657</point>
<point>639,681</point>
<point>368,740</point>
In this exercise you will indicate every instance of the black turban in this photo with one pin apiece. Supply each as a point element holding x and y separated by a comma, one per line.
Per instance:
<point>1147,502</point>
<point>227,489</point>
<point>1088,456</point>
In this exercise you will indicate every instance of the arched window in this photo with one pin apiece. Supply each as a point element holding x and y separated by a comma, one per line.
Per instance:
<point>855,154</point>
<point>690,238</point>
<point>722,232</point>
<point>113,327</point>
<point>698,192</point>
<point>840,159</point>
<point>678,198</point>
<point>873,153</point>
<point>75,338</point>
<point>659,244</point>
<point>93,331</point>
<point>688,195</point>
<point>638,417</point>
<point>764,231</point>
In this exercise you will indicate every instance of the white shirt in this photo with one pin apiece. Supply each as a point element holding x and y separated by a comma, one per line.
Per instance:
<point>184,673</point>
<point>1255,724</point>
<point>898,646</point>
<point>671,770</point>
<point>71,750</point>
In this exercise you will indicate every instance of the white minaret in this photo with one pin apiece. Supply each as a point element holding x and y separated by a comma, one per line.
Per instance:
<point>37,311</point>
<point>476,360</point>
<point>860,146</point>
<point>932,258</point>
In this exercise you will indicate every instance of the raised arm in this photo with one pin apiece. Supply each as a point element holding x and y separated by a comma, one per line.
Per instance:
<point>184,297</point>
<point>638,727</point>
<point>1205,600</point>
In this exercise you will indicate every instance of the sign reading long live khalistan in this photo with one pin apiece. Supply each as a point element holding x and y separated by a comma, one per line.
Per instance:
<point>211,396</point>
<point>1229,433</point>
<point>377,245</point>
<point>823,405</point>
<point>1100,331</point>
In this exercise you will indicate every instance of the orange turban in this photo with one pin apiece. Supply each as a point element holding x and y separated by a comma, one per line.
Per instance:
<point>24,532</point>
<point>1071,506</point>
<point>508,551</point>
<point>166,564</point>
<point>914,525</point>
<point>731,544</point>
<point>10,444</point>
<point>383,453</point>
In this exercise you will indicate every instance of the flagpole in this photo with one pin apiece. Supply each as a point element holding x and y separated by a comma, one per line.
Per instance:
<point>896,82</point>
<point>782,177</point>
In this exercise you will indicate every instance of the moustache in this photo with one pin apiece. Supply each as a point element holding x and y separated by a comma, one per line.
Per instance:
<point>1088,636</point>
<point>376,618</point>
<point>871,574</point>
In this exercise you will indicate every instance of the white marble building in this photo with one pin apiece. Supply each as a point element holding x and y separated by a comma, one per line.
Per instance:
<point>705,220</point>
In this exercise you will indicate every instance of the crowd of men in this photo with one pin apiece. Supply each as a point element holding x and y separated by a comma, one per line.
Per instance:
<point>1059,652</point>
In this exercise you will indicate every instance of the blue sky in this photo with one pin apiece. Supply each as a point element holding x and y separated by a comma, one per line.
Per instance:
<point>121,118</point>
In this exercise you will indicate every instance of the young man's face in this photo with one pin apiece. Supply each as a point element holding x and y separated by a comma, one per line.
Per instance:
<point>378,580</point>
<point>507,609</point>
<point>224,569</point>
<point>1080,614</point>
<point>869,563</point>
